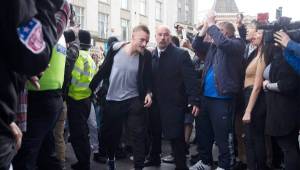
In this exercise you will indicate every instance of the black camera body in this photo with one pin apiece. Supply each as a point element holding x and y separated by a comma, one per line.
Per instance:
<point>283,23</point>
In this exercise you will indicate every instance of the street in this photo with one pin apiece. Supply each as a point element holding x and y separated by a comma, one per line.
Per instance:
<point>124,164</point>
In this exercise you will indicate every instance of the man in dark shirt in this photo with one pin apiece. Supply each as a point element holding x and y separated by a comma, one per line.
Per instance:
<point>222,81</point>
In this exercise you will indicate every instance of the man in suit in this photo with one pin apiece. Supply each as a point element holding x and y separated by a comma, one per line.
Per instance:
<point>175,88</point>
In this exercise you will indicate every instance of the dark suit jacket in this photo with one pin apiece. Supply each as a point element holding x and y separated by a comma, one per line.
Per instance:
<point>174,87</point>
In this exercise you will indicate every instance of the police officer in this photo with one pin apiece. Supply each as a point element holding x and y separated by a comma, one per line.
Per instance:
<point>72,54</point>
<point>44,106</point>
<point>79,103</point>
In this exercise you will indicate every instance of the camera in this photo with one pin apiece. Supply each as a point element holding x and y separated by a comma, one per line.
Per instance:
<point>282,23</point>
<point>177,26</point>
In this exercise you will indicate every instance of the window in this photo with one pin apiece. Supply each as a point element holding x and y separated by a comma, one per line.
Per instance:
<point>187,2</point>
<point>143,7</point>
<point>158,10</point>
<point>79,16</point>
<point>103,25</point>
<point>125,29</point>
<point>186,16</point>
<point>105,1</point>
<point>179,14</point>
<point>124,4</point>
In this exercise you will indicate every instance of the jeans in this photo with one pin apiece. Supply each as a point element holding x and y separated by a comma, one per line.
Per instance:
<point>216,124</point>
<point>131,112</point>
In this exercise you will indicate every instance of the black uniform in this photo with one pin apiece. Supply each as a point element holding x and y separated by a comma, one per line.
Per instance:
<point>29,31</point>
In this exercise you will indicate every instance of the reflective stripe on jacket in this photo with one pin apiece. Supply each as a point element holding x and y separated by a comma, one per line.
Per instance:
<point>82,74</point>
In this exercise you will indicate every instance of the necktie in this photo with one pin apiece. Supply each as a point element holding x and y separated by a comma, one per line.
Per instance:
<point>161,53</point>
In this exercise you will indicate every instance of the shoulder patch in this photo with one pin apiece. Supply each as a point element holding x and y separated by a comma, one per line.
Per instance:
<point>31,36</point>
<point>61,49</point>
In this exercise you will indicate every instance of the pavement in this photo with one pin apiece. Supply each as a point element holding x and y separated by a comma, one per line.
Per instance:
<point>123,164</point>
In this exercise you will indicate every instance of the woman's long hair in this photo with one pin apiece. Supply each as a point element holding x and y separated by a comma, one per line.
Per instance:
<point>271,51</point>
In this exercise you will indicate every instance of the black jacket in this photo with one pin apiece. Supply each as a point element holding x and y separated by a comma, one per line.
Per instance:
<point>144,71</point>
<point>282,107</point>
<point>72,55</point>
<point>174,87</point>
<point>30,57</point>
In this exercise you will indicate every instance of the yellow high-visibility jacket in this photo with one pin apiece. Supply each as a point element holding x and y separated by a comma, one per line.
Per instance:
<point>82,74</point>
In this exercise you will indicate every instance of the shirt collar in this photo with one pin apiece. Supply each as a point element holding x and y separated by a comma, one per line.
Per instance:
<point>160,51</point>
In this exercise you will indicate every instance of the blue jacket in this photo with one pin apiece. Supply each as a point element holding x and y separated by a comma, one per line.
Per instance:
<point>292,55</point>
<point>225,55</point>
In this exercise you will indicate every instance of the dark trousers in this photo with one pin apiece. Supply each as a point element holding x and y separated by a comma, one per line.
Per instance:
<point>7,151</point>
<point>78,114</point>
<point>101,148</point>
<point>44,158</point>
<point>277,154</point>
<point>178,149</point>
<point>43,111</point>
<point>132,113</point>
<point>216,124</point>
<point>254,133</point>
<point>239,147</point>
<point>290,148</point>
<point>154,131</point>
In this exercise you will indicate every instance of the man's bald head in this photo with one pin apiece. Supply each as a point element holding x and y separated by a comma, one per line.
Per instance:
<point>163,28</point>
<point>163,36</point>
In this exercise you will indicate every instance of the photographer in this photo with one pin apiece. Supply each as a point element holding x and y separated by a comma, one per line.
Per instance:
<point>291,49</point>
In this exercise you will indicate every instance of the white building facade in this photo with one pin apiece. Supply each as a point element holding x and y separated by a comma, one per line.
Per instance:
<point>104,18</point>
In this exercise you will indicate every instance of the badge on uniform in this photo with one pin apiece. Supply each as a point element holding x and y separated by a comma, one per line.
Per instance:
<point>61,49</point>
<point>31,36</point>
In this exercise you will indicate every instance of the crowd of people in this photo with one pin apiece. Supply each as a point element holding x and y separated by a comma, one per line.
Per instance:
<point>223,81</point>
